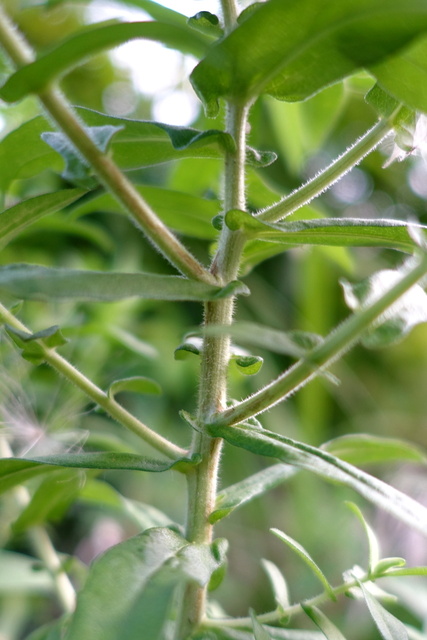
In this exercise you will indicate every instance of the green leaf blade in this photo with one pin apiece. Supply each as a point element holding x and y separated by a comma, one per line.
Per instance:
<point>330,631</point>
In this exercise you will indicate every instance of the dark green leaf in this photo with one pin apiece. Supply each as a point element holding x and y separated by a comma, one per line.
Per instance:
<point>320,462</point>
<point>307,49</point>
<point>77,169</point>
<point>327,627</point>
<point>363,448</point>
<point>388,625</point>
<point>51,499</point>
<point>338,232</point>
<point>182,212</point>
<point>305,556</point>
<point>136,580</point>
<point>24,214</point>
<point>15,471</point>
<point>34,77</point>
<point>206,22</point>
<point>136,384</point>
<point>409,311</point>
<point>34,282</point>
<point>256,485</point>
<point>139,143</point>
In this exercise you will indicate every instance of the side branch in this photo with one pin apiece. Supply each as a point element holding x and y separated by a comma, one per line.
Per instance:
<point>110,406</point>
<point>326,178</point>
<point>107,171</point>
<point>319,358</point>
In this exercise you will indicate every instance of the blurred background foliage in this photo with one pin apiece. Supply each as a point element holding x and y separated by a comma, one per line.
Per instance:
<point>380,392</point>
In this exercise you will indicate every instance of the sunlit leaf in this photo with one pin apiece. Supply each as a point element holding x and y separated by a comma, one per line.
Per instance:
<point>34,282</point>
<point>246,490</point>
<point>304,456</point>
<point>341,232</point>
<point>305,556</point>
<point>248,365</point>
<point>34,77</point>
<point>388,625</point>
<point>24,214</point>
<point>330,631</point>
<point>362,448</point>
<point>400,318</point>
<point>306,49</point>
<point>136,384</point>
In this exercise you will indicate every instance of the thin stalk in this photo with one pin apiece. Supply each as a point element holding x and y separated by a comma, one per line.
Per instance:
<point>326,178</point>
<point>107,171</point>
<point>113,408</point>
<point>43,547</point>
<point>319,358</point>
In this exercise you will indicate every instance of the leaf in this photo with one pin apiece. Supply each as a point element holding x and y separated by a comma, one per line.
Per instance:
<point>389,627</point>
<point>138,143</point>
<point>404,75</point>
<point>305,556</point>
<point>33,77</point>
<point>50,500</point>
<point>255,485</point>
<point>334,232</point>
<point>136,580</point>
<point>373,544</point>
<point>248,365</point>
<point>327,627</point>
<point>24,214</point>
<point>136,384</point>
<point>35,282</point>
<point>307,49</point>
<point>182,212</point>
<point>260,632</point>
<point>278,584</point>
<point>329,467</point>
<point>15,471</point>
<point>77,170</point>
<point>400,318</point>
<point>207,23</point>
<point>363,448</point>
<point>18,574</point>
<point>228,633</point>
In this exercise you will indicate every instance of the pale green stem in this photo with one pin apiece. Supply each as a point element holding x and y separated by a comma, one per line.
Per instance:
<point>326,178</point>
<point>274,617</point>
<point>107,171</point>
<point>43,546</point>
<point>319,358</point>
<point>113,408</point>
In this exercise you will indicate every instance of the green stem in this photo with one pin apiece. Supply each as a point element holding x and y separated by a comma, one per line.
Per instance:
<point>326,178</point>
<point>113,408</point>
<point>106,170</point>
<point>319,358</point>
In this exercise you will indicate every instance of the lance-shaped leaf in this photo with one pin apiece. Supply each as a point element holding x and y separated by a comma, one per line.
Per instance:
<point>324,464</point>
<point>137,579</point>
<point>24,214</point>
<point>362,448</point>
<point>34,77</point>
<point>31,349</point>
<point>136,384</point>
<point>373,544</point>
<point>14,471</point>
<point>276,633</point>
<point>260,632</point>
<point>334,232</point>
<point>34,282</point>
<point>388,625</point>
<point>306,557</point>
<point>400,318</point>
<point>330,631</point>
<point>256,485</point>
<point>138,143</point>
<point>307,48</point>
<point>278,584</point>
<point>180,211</point>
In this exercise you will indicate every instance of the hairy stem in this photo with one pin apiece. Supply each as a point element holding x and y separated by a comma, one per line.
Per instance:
<point>319,358</point>
<point>326,178</point>
<point>107,171</point>
<point>113,408</point>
